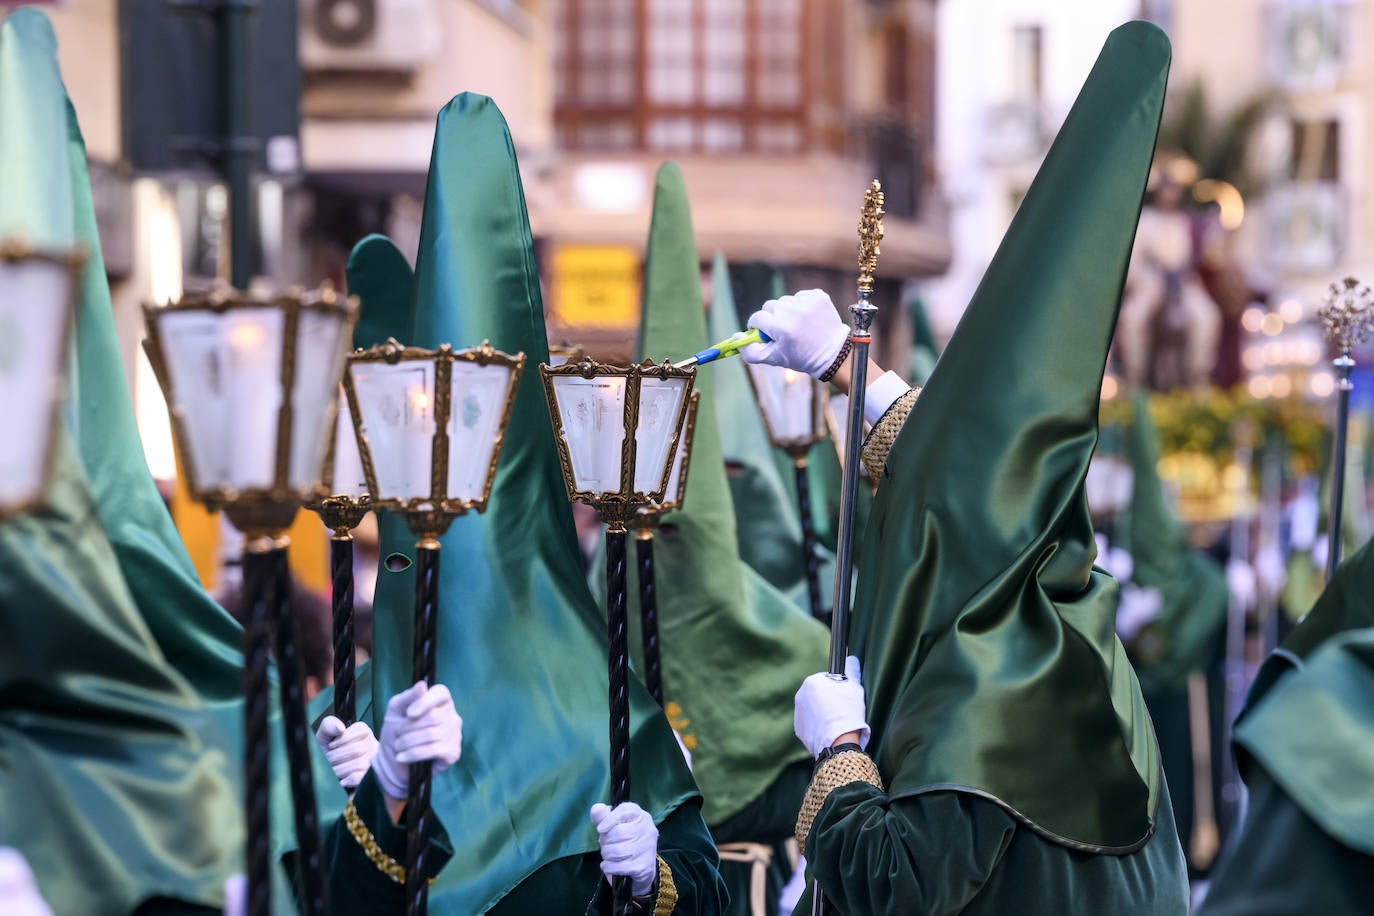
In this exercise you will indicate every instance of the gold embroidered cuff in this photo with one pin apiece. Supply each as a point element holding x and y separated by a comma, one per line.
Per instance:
<point>884,433</point>
<point>371,848</point>
<point>666,902</point>
<point>839,770</point>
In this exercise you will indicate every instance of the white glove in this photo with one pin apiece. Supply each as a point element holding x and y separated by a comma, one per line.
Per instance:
<point>19,894</point>
<point>235,895</point>
<point>629,844</point>
<point>807,333</point>
<point>349,750</point>
<point>421,725</point>
<point>828,707</point>
<point>1136,609</point>
<point>1240,579</point>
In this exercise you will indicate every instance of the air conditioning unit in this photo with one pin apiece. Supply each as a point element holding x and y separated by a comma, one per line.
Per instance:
<point>398,36</point>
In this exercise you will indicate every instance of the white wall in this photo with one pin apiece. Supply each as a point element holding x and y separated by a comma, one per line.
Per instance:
<point>974,75</point>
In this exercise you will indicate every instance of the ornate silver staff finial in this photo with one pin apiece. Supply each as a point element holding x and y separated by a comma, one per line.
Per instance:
<point>1347,317</point>
<point>870,234</point>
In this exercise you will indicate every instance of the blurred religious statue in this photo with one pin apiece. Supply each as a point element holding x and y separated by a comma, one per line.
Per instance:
<point>1170,326</point>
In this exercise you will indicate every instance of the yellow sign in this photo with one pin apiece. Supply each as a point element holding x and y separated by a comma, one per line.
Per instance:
<point>595,286</point>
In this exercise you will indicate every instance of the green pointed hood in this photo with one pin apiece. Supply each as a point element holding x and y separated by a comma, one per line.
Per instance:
<point>765,507</point>
<point>1314,731</point>
<point>109,789</point>
<point>1192,586</point>
<point>713,607</point>
<point>522,643</point>
<point>382,279</point>
<point>986,635</point>
<point>195,635</point>
<point>1343,605</point>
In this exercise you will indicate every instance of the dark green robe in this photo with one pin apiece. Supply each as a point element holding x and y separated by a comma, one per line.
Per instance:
<point>770,819</point>
<point>953,852</point>
<point>1284,864</point>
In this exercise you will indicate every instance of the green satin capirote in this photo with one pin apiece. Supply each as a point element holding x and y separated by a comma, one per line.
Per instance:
<point>1313,734</point>
<point>1342,606</point>
<point>521,642</point>
<point>734,648</point>
<point>989,654</point>
<point>47,199</point>
<point>106,785</point>
<point>766,516</point>
<point>1192,586</point>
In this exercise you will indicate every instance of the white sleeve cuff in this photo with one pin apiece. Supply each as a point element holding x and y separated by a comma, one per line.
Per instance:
<point>882,394</point>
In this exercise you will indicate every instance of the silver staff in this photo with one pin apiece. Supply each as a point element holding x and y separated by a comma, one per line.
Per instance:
<point>862,314</point>
<point>1347,318</point>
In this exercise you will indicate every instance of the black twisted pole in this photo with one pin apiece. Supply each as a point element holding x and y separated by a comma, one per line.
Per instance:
<point>257,651</point>
<point>341,568</point>
<point>648,613</point>
<point>418,813</point>
<point>809,558</point>
<point>617,624</point>
<point>314,886</point>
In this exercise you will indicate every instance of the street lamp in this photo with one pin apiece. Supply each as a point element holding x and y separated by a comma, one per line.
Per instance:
<point>342,509</point>
<point>645,522</point>
<point>37,292</point>
<point>617,430</point>
<point>250,386</point>
<point>792,404</point>
<point>430,424</point>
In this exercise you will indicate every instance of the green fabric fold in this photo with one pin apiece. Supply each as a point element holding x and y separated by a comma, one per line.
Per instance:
<point>106,784</point>
<point>765,503</point>
<point>734,648</point>
<point>521,641</point>
<point>1192,586</point>
<point>987,637</point>
<point>48,196</point>
<point>1314,732</point>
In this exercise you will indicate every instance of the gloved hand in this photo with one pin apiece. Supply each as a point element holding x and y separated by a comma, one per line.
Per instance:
<point>1240,579</point>
<point>827,708</point>
<point>348,750</point>
<point>421,724</point>
<point>1136,609</point>
<point>807,333</point>
<point>19,894</point>
<point>236,894</point>
<point>629,844</point>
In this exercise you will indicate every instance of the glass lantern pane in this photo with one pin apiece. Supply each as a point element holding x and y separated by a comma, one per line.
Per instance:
<point>788,401</point>
<point>396,404</point>
<point>660,401</point>
<point>348,479</point>
<point>225,373</point>
<point>35,297</point>
<point>479,398</point>
<point>671,494</point>
<point>592,411</point>
<point>320,354</point>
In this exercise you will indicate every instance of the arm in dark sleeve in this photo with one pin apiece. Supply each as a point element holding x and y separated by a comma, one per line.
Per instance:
<point>686,849</point>
<point>928,853</point>
<point>356,884</point>
<point>1283,863</point>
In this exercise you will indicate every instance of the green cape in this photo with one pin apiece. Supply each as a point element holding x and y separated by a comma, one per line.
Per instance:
<point>1343,605</point>
<point>44,158</point>
<point>1314,731</point>
<point>106,785</point>
<point>1192,585</point>
<point>522,643</point>
<point>734,648</point>
<point>990,659</point>
<point>765,504</point>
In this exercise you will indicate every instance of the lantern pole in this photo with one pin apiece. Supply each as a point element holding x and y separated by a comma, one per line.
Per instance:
<point>341,514</point>
<point>808,531</point>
